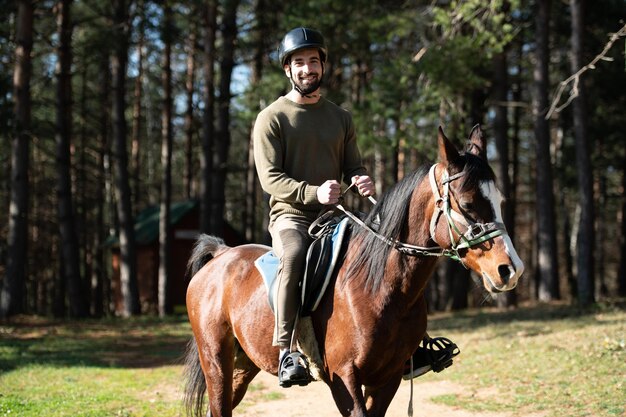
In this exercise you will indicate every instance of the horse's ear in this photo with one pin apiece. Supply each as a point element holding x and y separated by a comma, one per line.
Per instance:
<point>448,154</point>
<point>477,143</point>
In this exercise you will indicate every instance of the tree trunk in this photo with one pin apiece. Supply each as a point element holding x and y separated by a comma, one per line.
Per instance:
<point>250,190</point>
<point>261,34</point>
<point>570,245</point>
<point>547,265</point>
<point>165,233</point>
<point>99,288</point>
<point>128,264</point>
<point>137,108</point>
<point>12,290</point>
<point>83,180</point>
<point>222,145</point>
<point>69,238</point>
<point>518,112</point>
<point>515,141</point>
<point>621,270</point>
<point>209,16</point>
<point>457,282</point>
<point>602,289</point>
<point>380,168</point>
<point>402,153</point>
<point>500,130</point>
<point>586,236</point>
<point>395,152</point>
<point>110,202</point>
<point>189,125</point>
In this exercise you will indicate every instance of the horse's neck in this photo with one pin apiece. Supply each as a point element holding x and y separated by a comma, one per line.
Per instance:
<point>408,284</point>
<point>405,284</point>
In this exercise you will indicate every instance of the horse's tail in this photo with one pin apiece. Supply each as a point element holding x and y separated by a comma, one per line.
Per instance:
<point>205,249</point>
<point>195,384</point>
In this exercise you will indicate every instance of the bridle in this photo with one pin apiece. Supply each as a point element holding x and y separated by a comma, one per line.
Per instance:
<point>475,233</point>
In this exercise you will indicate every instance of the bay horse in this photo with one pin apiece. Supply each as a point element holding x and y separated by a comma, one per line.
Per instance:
<point>373,315</point>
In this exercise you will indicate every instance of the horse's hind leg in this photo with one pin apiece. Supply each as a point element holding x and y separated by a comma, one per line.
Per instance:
<point>244,373</point>
<point>217,361</point>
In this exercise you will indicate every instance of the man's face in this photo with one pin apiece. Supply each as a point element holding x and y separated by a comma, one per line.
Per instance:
<point>305,70</point>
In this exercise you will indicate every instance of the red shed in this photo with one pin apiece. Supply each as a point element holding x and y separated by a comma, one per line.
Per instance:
<point>185,228</point>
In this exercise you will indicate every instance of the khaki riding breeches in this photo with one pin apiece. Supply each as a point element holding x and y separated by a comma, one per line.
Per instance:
<point>290,241</point>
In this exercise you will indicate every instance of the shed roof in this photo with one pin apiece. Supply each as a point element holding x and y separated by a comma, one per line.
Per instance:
<point>147,222</point>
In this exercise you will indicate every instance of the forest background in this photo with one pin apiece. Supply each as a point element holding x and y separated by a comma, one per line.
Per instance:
<point>107,108</point>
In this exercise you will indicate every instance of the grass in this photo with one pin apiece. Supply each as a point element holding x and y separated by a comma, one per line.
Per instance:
<point>552,360</point>
<point>91,368</point>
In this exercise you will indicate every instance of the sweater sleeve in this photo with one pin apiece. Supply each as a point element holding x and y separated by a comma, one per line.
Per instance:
<point>268,157</point>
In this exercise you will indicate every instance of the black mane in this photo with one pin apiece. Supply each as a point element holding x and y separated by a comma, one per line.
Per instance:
<point>392,211</point>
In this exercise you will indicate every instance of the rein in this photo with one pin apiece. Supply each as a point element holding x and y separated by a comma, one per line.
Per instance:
<point>475,234</point>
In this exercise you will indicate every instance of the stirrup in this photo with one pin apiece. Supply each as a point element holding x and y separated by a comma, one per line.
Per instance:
<point>441,351</point>
<point>293,370</point>
<point>433,354</point>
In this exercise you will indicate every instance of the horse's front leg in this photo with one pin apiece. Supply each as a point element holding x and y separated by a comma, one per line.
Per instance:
<point>347,394</point>
<point>377,400</point>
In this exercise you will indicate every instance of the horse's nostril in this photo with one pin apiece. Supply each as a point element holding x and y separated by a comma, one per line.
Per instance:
<point>505,272</point>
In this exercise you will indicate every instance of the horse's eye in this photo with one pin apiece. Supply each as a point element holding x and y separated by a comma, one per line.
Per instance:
<point>467,206</point>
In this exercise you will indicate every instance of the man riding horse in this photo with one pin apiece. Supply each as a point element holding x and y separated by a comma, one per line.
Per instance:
<point>304,146</point>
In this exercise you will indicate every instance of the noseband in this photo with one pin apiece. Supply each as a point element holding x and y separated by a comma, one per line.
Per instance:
<point>475,233</point>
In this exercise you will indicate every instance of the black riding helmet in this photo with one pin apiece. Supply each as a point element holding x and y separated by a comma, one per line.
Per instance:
<point>301,38</point>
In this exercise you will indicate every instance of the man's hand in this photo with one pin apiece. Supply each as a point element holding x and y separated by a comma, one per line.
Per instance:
<point>329,192</point>
<point>364,184</point>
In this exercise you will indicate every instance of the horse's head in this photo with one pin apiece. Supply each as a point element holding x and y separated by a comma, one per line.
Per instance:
<point>468,219</point>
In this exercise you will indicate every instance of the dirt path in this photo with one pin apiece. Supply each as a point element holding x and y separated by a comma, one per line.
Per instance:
<point>315,400</point>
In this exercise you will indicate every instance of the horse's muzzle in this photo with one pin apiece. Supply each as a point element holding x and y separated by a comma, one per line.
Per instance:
<point>506,279</point>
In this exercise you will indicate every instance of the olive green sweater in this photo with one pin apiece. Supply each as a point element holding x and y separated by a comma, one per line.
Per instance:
<point>297,147</point>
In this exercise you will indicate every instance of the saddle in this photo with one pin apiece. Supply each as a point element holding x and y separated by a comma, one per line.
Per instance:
<point>322,259</point>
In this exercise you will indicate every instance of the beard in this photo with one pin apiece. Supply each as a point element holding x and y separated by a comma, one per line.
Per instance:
<point>309,87</point>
